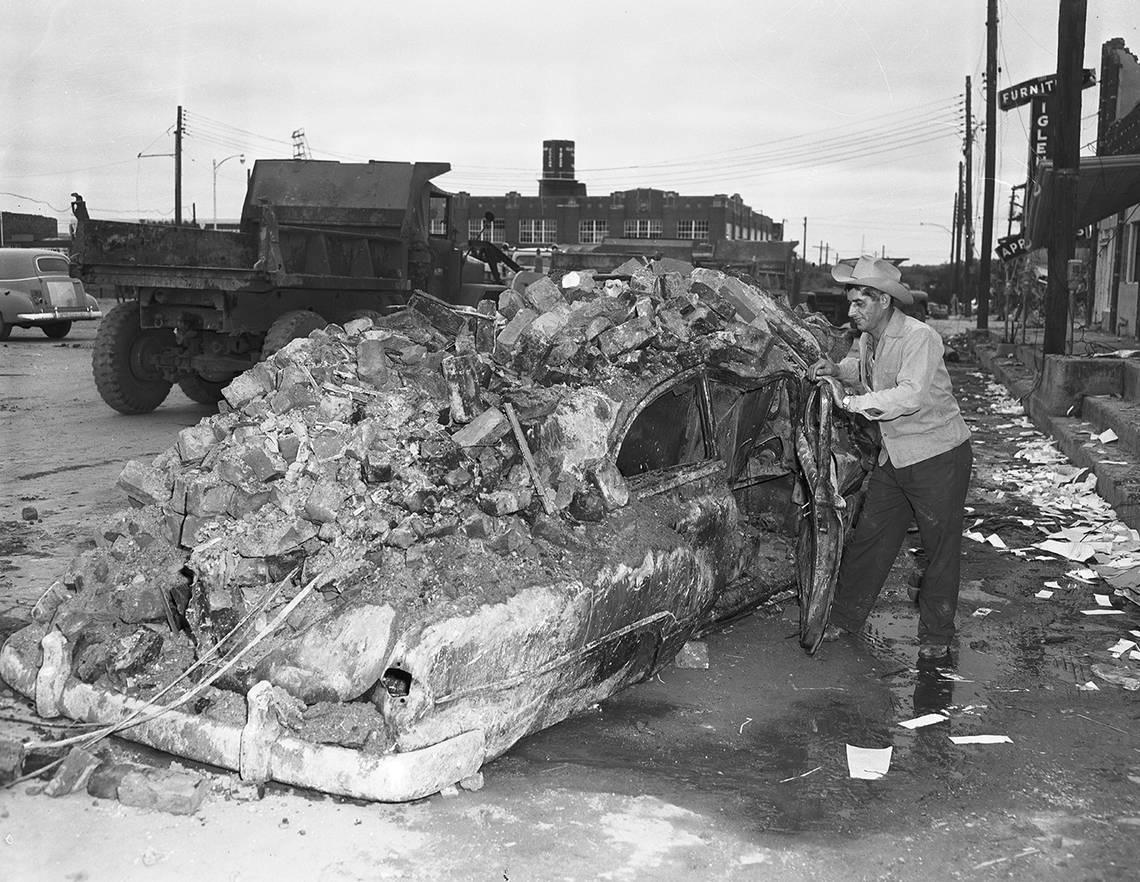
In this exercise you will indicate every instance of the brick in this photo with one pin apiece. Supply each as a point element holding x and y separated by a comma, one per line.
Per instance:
<point>72,775</point>
<point>194,442</point>
<point>501,502</point>
<point>625,337</point>
<point>205,499</point>
<point>372,362</point>
<point>485,327</point>
<point>244,388</point>
<point>324,500</point>
<point>49,602</point>
<point>673,266</point>
<point>105,780</point>
<point>544,295</point>
<point>627,269</point>
<point>179,793</point>
<point>356,327</point>
<point>510,302</point>
<point>487,428</point>
<point>610,484</point>
<point>142,484</point>
<point>463,386</point>
<point>508,340</point>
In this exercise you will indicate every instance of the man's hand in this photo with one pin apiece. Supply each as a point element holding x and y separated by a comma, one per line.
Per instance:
<point>825,367</point>
<point>838,393</point>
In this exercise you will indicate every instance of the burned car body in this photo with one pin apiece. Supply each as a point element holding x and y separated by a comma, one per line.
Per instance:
<point>409,542</point>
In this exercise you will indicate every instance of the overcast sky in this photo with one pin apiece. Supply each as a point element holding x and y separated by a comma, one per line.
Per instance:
<point>849,113</point>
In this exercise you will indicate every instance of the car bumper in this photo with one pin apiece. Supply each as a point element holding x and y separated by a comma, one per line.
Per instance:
<point>60,315</point>
<point>343,771</point>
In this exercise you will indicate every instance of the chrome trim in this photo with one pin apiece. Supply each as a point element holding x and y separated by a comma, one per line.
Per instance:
<point>62,315</point>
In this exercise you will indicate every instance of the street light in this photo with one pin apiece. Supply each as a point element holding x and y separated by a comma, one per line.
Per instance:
<point>217,165</point>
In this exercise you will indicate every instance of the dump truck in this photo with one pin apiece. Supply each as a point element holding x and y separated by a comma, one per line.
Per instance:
<point>319,242</point>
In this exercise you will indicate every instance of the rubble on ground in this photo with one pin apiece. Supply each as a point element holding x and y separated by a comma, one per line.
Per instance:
<point>413,467</point>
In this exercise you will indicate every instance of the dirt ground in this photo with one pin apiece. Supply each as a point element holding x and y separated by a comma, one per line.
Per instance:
<point>735,772</point>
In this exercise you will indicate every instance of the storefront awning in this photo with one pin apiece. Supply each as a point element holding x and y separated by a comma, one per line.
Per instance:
<point>1105,185</point>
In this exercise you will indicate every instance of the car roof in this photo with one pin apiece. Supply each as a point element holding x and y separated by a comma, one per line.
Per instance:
<point>20,263</point>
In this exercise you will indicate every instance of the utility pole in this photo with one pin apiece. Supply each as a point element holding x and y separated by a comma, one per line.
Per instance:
<point>178,169</point>
<point>821,252</point>
<point>1066,124</point>
<point>991,163</point>
<point>805,248</point>
<point>968,201</point>
<point>958,236</point>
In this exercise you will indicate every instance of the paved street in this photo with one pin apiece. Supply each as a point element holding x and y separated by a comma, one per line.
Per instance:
<point>735,772</point>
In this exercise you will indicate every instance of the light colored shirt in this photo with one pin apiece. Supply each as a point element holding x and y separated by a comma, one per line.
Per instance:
<point>909,393</point>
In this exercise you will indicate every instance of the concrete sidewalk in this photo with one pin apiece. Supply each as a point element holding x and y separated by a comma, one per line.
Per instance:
<point>1074,398</point>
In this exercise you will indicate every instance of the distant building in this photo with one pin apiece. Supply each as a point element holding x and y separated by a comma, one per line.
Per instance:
<point>562,213</point>
<point>28,231</point>
<point>1116,237</point>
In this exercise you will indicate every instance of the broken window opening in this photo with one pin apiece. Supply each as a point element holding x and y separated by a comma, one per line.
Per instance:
<point>669,431</point>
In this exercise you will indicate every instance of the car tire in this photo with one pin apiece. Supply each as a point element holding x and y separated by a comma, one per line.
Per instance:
<point>202,391</point>
<point>121,361</point>
<point>5,330</point>
<point>290,326</point>
<point>57,330</point>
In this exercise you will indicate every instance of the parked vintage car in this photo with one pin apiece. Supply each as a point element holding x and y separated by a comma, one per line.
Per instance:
<point>37,291</point>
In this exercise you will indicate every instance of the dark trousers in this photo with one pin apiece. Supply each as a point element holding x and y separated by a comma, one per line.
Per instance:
<point>933,493</point>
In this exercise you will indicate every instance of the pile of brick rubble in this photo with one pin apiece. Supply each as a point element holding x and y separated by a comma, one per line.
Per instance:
<point>434,457</point>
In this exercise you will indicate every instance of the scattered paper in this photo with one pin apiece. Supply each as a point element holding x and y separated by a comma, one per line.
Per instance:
<point>1106,437</point>
<point>1090,686</point>
<point>1102,600</point>
<point>924,720</point>
<point>1134,655</point>
<point>995,540</point>
<point>950,675</point>
<point>981,739</point>
<point>977,537</point>
<point>982,611</point>
<point>1056,586</point>
<point>1121,646</point>
<point>1114,462</point>
<point>1078,551</point>
<point>1043,594</point>
<point>1086,575</point>
<point>1101,611</point>
<point>868,763</point>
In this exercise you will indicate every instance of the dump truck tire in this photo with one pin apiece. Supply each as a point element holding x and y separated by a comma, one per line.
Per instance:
<point>122,361</point>
<point>201,390</point>
<point>57,330</point>
<point>290,326</point>
<point>5,330</point>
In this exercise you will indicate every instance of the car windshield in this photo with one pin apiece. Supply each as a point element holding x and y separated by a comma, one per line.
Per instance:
<point>52,265</point>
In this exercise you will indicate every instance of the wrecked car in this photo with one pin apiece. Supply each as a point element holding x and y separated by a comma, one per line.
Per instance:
<point>407,542</point>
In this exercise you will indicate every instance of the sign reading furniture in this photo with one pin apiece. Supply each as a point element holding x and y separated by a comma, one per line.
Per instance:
<point>1038,87</point>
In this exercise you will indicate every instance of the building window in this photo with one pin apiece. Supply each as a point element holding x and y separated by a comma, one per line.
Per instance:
<point>642,228</point>
<point>697,230</point>
<point>537,231</point>
<point>496,231</point>
<point>592,231</point>
<point>438,227</point>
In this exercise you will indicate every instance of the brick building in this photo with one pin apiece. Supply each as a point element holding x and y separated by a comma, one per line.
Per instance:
<point>564,214</point>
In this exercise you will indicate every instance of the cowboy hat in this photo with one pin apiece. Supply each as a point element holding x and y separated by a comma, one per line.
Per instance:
<point>873,272</point>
